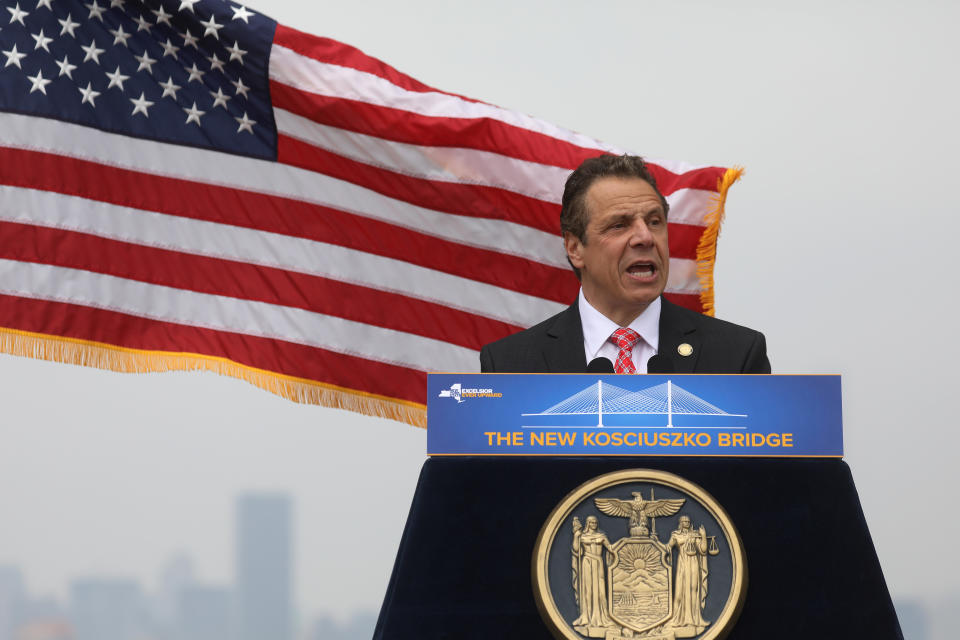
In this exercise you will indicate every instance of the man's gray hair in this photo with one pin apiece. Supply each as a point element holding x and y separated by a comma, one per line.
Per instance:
<point>573,212</point>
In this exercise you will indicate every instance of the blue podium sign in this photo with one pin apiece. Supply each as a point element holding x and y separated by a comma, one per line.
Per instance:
<point>589,414</point>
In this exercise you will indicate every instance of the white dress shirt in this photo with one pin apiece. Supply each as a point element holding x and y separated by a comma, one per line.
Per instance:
<point>597,329</point>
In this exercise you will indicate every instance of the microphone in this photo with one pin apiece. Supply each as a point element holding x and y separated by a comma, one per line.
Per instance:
<point>659,364</point>
<point>600,365</point>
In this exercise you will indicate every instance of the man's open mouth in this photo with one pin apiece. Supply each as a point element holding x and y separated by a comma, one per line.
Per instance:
<point>642,269</point>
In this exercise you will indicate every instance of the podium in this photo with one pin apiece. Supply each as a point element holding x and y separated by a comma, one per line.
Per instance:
<point>463,568</point>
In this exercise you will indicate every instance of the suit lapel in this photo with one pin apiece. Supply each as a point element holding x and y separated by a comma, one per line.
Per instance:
<point>564,351</point>
<point>677,329</point>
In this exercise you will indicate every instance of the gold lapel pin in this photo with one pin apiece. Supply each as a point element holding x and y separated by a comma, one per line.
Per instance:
<point>685,349</point>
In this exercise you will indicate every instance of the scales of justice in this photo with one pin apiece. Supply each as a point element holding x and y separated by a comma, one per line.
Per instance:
<point>639,586</point>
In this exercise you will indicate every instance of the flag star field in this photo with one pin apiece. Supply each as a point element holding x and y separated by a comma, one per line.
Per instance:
<point>194,73</point>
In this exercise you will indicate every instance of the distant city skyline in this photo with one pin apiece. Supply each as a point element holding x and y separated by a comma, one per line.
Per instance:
<point>257,605</point>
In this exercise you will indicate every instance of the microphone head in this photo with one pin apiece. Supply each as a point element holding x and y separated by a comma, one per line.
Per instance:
<point>659,364</point>
<point>600,365</point>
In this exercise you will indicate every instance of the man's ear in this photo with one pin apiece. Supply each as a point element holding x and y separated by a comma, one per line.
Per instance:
<point>574,247</point>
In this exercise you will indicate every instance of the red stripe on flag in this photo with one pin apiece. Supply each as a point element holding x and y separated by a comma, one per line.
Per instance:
<point>450,197</point>
<point>327,50</point>
<point>689,300</point>
<point>404,126</point>
<point>683,240</point>
<point>74,250</point>
<point>133,332</point>
<point>704,179</point>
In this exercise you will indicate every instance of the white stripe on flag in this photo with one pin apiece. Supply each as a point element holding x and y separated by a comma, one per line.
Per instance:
<point>689,206</point>
<point>222,313</point>
<point>267,249</point>
<point>683,277</point>
<point>446,164</point>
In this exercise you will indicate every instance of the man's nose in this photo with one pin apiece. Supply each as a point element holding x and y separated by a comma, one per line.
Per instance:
<point>640,234</point>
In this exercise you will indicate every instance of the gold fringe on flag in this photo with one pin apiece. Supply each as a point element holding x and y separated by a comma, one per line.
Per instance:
<point>707,248</point>
<point>113,358</point>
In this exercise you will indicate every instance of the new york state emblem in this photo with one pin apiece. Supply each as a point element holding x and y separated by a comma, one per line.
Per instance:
<point>678,572</point>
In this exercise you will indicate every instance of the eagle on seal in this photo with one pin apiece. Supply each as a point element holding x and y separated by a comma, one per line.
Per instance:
<point>638,510</point>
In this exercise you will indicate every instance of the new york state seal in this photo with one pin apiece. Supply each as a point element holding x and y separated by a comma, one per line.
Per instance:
<point>678,571</point>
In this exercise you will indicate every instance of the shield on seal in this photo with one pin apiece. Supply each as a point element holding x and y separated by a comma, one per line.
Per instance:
<point>640,583</point>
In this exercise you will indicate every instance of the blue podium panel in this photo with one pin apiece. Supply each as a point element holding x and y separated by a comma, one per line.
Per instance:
<point>589,414</point>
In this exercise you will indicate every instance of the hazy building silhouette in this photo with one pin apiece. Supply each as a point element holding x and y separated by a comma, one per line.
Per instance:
<point>107,609</point>
<point>205,613</point>
<point>11,601</point>
<point>264,567</point>
<point>942,617</point>
<point>177,574</point>
<point>914,619</point>
<point>361,625</point>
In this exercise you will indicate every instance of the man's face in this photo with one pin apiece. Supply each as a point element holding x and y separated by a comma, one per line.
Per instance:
<point>624,257</point>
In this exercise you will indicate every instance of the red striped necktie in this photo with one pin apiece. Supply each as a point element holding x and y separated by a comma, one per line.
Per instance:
<point>625,339</point>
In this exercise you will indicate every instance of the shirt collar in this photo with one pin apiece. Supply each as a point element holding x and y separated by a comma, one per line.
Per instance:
<point>597,328</point>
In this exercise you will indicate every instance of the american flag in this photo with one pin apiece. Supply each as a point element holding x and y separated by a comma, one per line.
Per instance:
<point>187,184</point>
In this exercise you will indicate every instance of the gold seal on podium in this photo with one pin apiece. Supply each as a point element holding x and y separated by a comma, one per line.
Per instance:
<point>679,571</point>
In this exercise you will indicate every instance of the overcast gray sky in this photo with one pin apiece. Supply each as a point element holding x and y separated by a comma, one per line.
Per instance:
<point>838,244</point>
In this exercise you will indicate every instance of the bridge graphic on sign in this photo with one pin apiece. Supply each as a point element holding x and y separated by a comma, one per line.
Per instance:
<point>606,399</point>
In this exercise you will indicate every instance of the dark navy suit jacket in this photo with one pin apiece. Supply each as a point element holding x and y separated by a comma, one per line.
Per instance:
<point>556,345</point>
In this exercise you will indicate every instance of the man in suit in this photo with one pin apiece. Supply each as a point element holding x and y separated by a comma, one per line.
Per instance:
<point>614,225</point>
